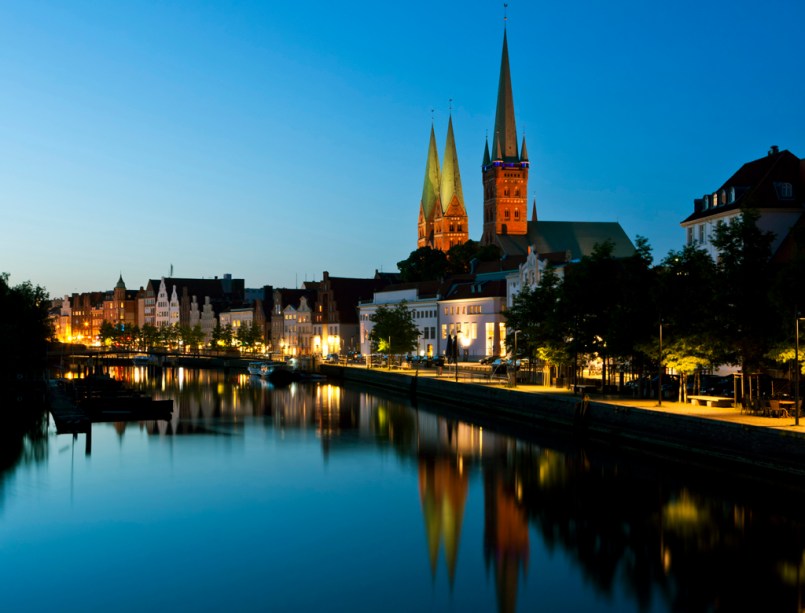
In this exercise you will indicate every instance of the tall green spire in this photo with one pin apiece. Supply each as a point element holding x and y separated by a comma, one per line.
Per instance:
<point>451,177</point>
<point>505,128</point>
<point>430,190</point>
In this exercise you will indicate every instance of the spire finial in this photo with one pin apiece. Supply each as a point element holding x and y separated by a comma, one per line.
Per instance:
<point>505,16</point>
<point>432,115</point>
<point>450,105</point>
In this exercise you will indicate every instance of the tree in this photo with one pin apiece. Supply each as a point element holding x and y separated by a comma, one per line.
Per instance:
<point>394,329</point>
<point>424,264</point>
<point>459,257</point>
<point>744,281</point>
<point>24,328</point>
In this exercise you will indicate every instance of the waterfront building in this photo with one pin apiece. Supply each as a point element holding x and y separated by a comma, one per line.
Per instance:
<point>471,310</point>
<point>120,305</point>
<point>335,317</point>
<point>421,300</point>
<point>167,301</point>
<point>292,308</point>
<point>773,185</point>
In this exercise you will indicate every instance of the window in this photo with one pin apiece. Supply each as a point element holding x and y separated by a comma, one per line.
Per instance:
<point>731,195</point>
<point>506,214</point>
<point>517,213</point>
<point>701,233</point>
<point>690,236</point>
<point>786,191</point>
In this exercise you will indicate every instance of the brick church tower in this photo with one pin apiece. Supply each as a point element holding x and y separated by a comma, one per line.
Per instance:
<point>443,220</point>
<point>505,171</point>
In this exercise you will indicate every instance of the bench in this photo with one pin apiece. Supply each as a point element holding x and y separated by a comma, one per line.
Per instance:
<point>711,401</point>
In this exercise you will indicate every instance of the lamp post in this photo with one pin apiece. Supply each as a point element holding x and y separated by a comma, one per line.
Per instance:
<point>659,375</point>
<point>796,369</point>
<point>516,332</point>
<point>455,353</point>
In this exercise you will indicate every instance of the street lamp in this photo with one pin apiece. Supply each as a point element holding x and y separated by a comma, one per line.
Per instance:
<point>796,370</point>
<point>516,332</point>
<point>659,375</point>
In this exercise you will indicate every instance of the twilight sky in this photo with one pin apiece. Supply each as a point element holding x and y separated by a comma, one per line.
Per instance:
<point>275,140</point>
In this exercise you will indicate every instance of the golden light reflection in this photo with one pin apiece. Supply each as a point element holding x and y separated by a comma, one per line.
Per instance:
<point>181,378</point>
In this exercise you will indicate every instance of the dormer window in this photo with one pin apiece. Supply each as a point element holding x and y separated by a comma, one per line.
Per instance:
<point>723,197</point>
<point>715,199</point>
<point>731,195</point>
<point>706,202</point>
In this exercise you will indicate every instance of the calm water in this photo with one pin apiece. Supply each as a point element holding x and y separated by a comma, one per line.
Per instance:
<point>318,497</point>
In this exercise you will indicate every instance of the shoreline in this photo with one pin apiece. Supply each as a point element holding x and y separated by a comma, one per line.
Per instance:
<point>675,431</point>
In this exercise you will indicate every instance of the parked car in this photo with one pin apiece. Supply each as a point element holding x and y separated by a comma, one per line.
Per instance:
<point>488,359</point>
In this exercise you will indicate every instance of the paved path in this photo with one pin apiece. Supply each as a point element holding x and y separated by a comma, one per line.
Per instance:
<point>474,373</point>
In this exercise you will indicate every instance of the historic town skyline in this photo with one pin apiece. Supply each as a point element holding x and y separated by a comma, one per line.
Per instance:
<point>273,143</point>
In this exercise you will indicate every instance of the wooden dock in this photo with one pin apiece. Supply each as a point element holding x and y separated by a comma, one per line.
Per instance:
<point>75,407</point>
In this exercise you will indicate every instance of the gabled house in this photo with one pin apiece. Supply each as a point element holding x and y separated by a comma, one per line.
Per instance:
<point>773,185</point>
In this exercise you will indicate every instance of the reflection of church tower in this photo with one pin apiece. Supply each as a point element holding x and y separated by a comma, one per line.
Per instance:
<point>505,540</point>
<point>443,219</point>
<point>443,494</point>
<point>505,171</point>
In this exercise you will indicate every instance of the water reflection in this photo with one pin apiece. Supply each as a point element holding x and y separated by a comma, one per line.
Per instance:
<point>638,534</point>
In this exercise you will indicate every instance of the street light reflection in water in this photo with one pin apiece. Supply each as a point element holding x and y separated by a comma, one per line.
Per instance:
<point>251,496</point>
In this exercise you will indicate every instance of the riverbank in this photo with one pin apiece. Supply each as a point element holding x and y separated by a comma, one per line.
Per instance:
<point>681,432</point>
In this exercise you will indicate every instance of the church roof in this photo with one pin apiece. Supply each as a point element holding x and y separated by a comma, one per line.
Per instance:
<point>577,237</point>
<point>505,128</point>
<point>430,190</point>
<point>451,176</point>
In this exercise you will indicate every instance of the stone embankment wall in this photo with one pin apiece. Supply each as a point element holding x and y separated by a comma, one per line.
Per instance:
<point>686,438</point>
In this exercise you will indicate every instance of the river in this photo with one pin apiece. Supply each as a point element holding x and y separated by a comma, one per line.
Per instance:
<point>318,497</point>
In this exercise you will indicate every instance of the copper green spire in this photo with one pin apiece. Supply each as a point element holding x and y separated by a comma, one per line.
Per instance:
<point>505,128</point>
<point>451,177</point>
<point>430,191</point>
<point>486,153</point>
<point>523,151</point>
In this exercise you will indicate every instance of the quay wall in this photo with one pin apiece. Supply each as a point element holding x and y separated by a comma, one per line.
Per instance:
<point>689,439</point>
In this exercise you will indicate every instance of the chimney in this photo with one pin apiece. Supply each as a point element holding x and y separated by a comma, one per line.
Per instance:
<point>774,150</point>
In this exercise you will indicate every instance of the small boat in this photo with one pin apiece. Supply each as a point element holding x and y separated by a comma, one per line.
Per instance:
<point>256,368</point>
<point>144,360</point>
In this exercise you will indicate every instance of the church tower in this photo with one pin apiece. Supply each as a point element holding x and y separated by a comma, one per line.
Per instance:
<point>430,195</point>
<point>450,220</point>
<point>505,171</point>
<point>443,220</point>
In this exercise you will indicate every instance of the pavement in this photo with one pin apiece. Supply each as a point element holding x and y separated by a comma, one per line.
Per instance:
<point>471,372</point>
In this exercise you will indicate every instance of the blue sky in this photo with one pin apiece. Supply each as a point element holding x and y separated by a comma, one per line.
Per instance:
<point>277,140</point>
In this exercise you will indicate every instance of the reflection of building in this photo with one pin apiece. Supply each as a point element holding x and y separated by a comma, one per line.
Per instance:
<point>506,545</point>
<point>443,486</point>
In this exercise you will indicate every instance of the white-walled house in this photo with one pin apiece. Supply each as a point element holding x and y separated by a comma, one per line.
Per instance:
<point>773,185</point>
<point>421,299</point>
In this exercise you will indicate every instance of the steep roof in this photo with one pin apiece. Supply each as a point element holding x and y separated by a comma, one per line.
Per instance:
<point>505,129</point>
<point>451,176</point>
<point>577,237</point>
<point>430,190</point>
<point>758,185</point>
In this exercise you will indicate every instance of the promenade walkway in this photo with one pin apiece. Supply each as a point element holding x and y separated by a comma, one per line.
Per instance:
<point>477,374</point>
